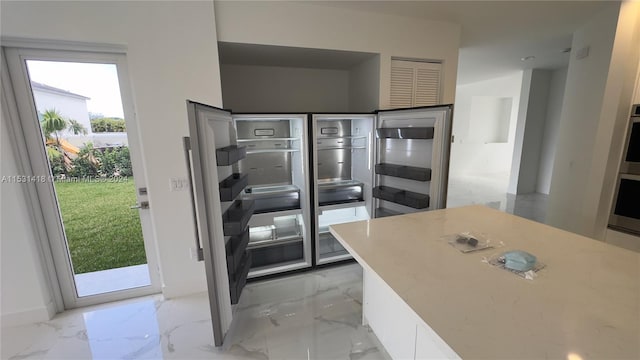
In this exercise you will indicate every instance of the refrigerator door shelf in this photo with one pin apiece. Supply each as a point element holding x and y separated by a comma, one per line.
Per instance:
<point>230,155</point>
<point>231,187</point>
<point>236,218</point>
<point>237,283</point>
<point>236,247</point>
<point>405,172</point>
<point>402,197</point>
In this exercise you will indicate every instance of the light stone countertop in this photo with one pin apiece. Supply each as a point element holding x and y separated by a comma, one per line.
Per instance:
<point>586,302</point>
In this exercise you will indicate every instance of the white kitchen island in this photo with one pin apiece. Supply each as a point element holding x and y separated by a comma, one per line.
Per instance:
<point>425,299</point>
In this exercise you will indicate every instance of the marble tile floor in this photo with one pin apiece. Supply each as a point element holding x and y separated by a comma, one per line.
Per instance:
<point>313,315</point>
<point>472,190</point>
<point>100,282</point>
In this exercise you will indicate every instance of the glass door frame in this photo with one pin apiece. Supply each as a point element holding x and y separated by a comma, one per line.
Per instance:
<point>54,245</point>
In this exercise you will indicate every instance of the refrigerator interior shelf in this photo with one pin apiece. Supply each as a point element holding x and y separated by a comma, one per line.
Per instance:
<point>232,186</point>
<point>342,148</point>
<point>273,242</point>
<point>262,151</point>
<point>237,217</point>
<point>273,198</point>
<point>230,155</point>
<point>269,139</point>
<point>402,197</point>
<point>342,137</point>
<point>340,191</point>
<point>405,172</point>
<point>343,205</point>
<point>405,133</point>
<point>382,212</point>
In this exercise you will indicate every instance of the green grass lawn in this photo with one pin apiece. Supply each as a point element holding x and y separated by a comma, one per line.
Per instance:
<point>102,231</point>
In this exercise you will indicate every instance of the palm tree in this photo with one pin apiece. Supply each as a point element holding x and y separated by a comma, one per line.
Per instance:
<point>76,128</point>
<point>52,122</point>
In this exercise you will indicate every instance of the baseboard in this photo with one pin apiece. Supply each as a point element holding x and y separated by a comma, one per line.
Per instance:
<point>29,316</point>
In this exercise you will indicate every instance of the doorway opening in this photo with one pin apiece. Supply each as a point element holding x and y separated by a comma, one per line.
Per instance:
<point>80,112</point>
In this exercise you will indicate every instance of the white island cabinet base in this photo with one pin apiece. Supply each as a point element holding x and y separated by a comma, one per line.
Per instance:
<point>400,330</point>
<point>424,299</point>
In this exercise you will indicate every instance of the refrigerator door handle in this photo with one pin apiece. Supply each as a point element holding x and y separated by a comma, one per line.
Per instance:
<point>186,144</point>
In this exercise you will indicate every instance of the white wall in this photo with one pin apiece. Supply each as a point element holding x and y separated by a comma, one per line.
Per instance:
<point>595,112</point>
<point>364,86</point>
<point>302,24</point>
<point>24,297</point>
<point>471,155</point>
<point>551,126</point>
<point>172,56</point>
<point>247,88</point>
<point>529,131</point>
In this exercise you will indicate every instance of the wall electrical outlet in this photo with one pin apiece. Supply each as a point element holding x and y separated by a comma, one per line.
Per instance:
<point>178,184</point>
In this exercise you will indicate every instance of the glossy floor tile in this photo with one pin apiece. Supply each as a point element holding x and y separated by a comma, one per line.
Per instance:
<point>314,315</point>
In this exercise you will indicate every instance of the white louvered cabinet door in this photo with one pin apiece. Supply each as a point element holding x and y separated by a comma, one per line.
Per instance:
<point>414,83</point>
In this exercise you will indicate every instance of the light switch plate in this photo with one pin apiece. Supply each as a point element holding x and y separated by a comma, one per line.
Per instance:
<point>178,184</point>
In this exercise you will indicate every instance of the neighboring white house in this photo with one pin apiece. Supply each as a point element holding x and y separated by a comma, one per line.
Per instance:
<point>73,106</point>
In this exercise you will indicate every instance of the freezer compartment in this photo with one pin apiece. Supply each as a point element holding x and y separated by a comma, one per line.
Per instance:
<point>405,172</point>
<point>402,197</point>
<point>338,192</point>
<point>273,198</point>
<point>232,186</point>
<point>405,133</point>
<point>237,283</point>
<point>236,218</point>
<point>382,212</point>
<point>236,247</point>
<point>230,155</point>
<point>329,246</point>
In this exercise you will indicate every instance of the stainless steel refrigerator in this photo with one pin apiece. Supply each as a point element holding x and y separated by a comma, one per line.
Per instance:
<point>374,165</point>
<point>250,196</point>
<point>266,187</point>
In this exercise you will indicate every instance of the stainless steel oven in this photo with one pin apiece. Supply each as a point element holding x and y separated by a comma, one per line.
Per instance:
<point>631,158</point>
<point>625,213</point>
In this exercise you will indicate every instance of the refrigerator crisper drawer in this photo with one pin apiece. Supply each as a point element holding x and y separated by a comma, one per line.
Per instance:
<point>237,283</point>
<point>402,197</point>
<point>232,186</point>
<point>236,247</point>
<point>405,133</point>
<point>230,155</point>
<point>405,172</point>
<point>277,254</point>
<point>274,198</point>
<point>236,218</point>
<point>382,212</point>
<point>284,229</point>
<point>339,192</point>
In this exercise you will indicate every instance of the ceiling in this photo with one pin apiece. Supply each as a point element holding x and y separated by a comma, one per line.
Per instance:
<point>268,55</point>
<point>496,35</point>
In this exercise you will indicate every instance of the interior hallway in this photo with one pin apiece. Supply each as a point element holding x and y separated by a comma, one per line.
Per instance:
<point>470,190</point>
